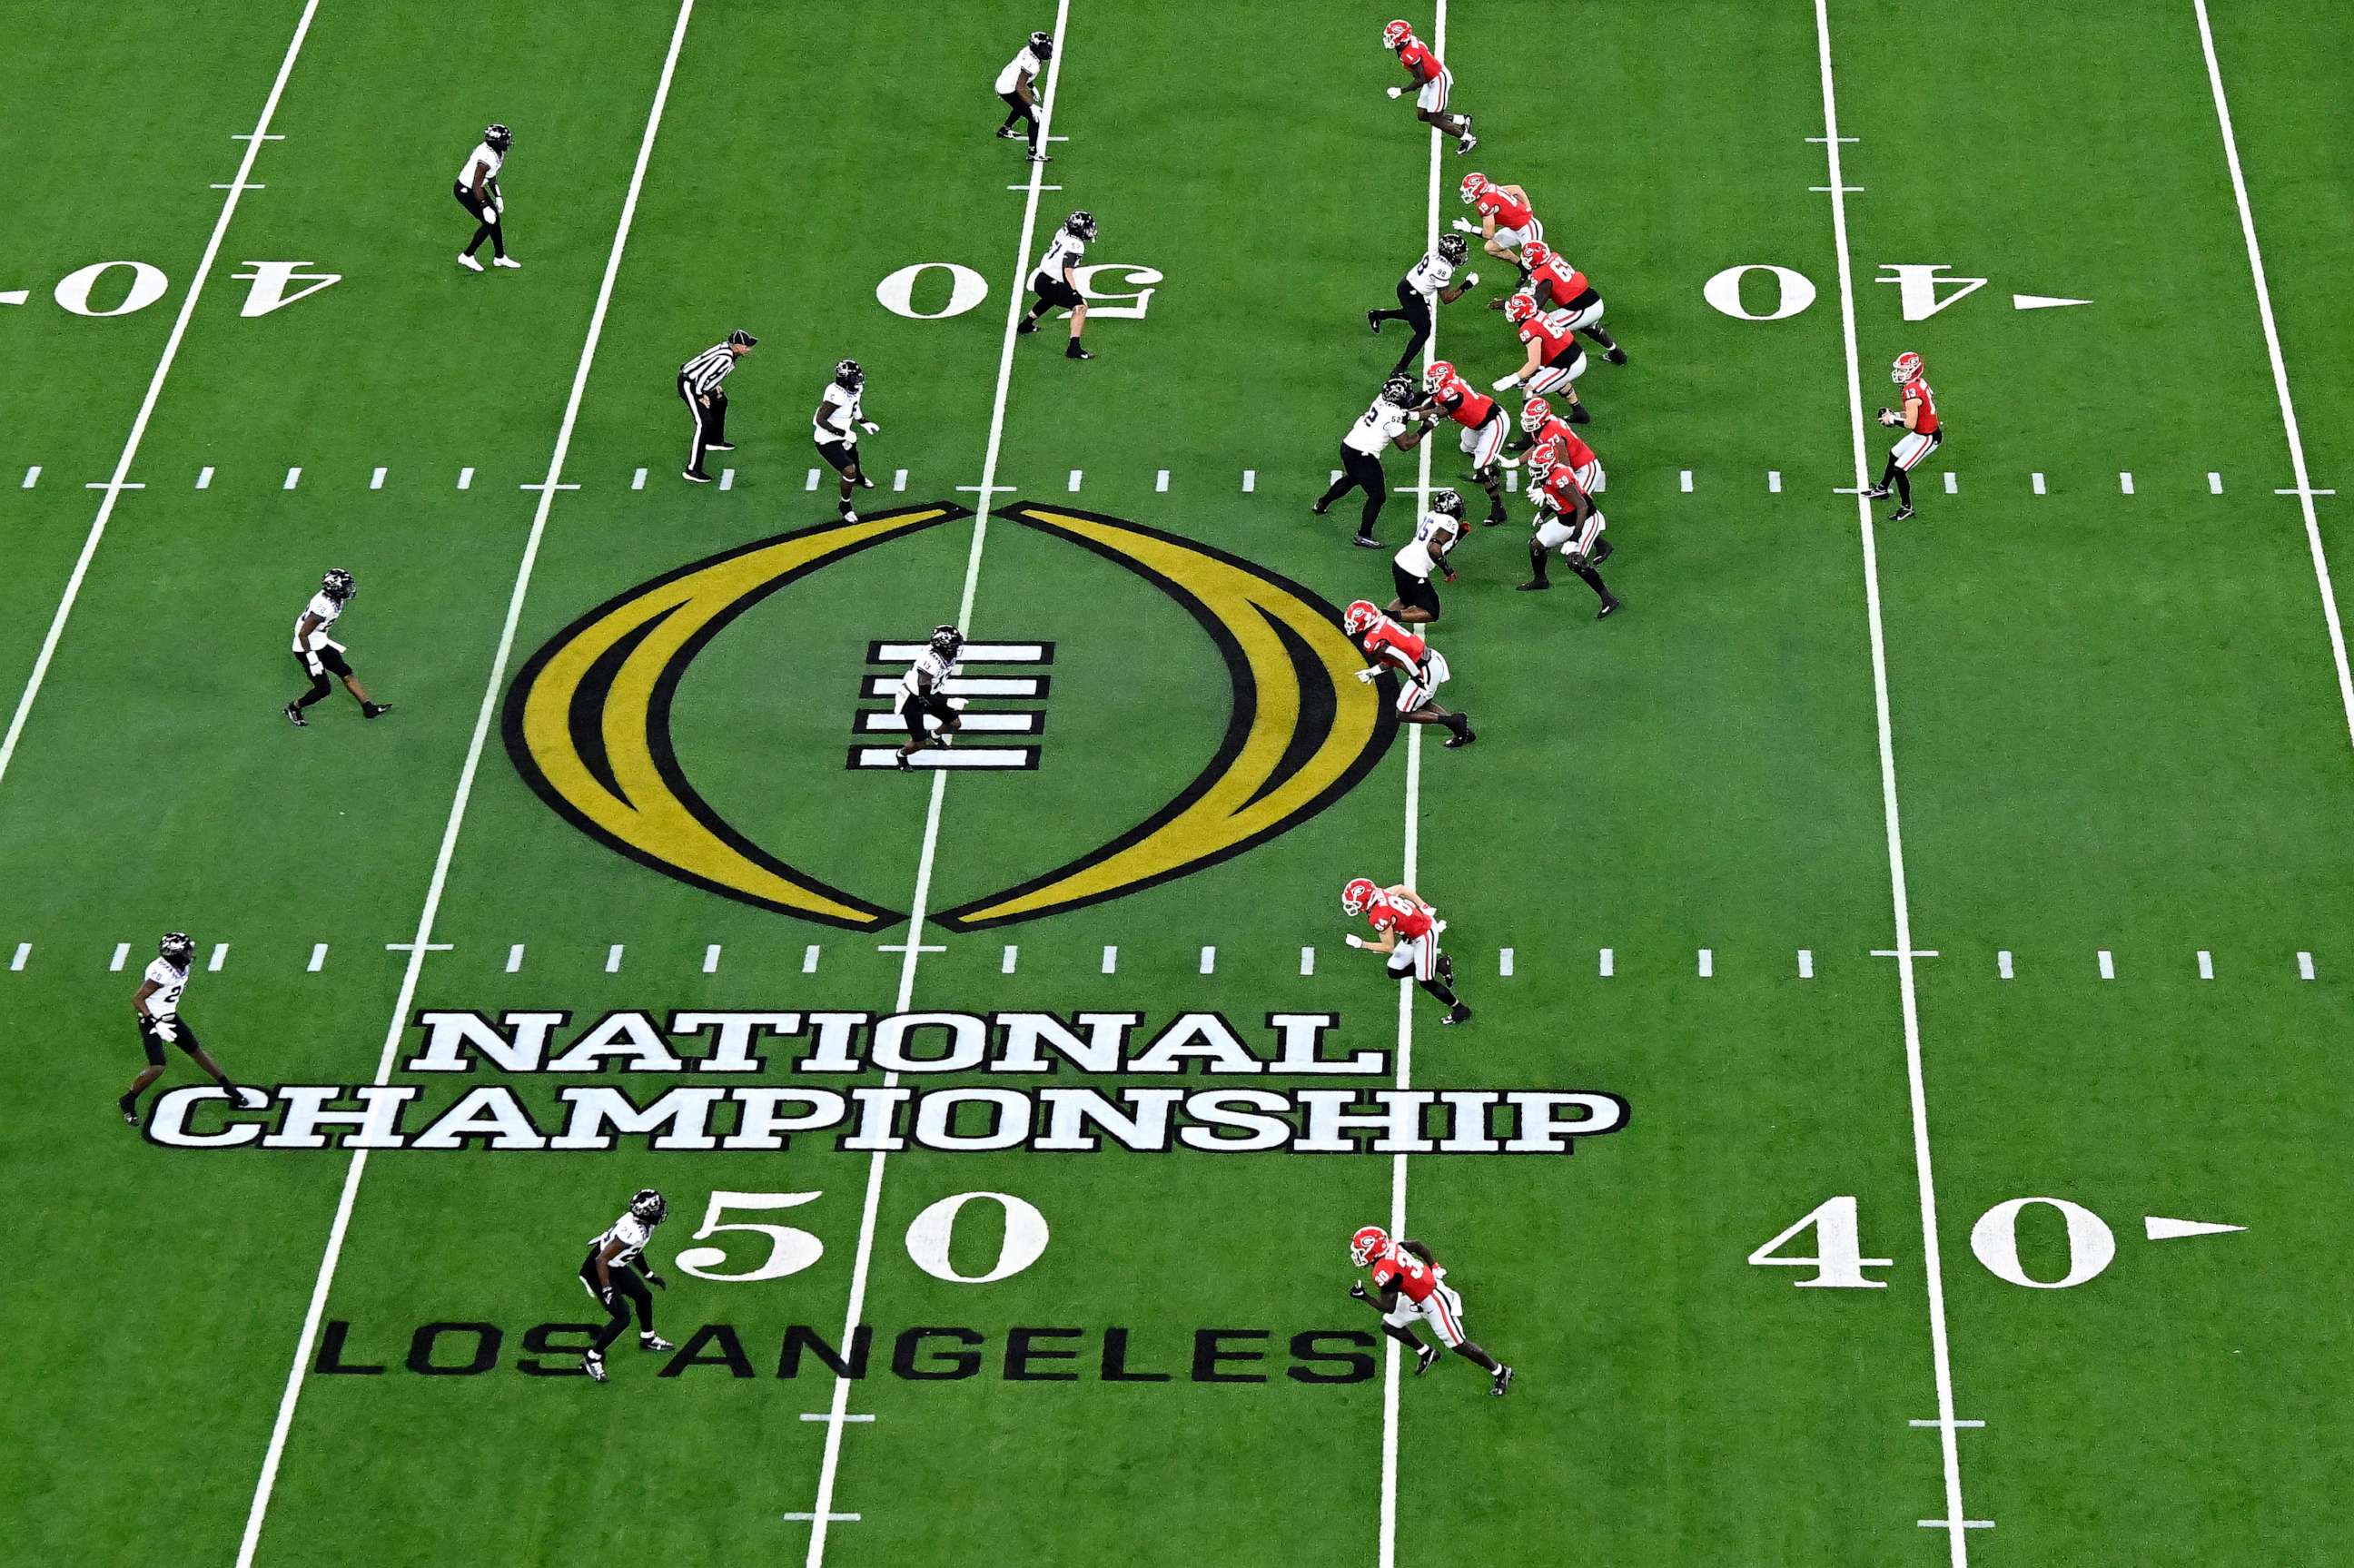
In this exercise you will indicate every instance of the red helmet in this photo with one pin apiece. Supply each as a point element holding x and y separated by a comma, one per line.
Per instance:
<point>1440,374</point>
<point>1370,1242</point>
<point>1360,618</point>
<point>1472,185</point>
<point>1547,456</point>
<point>1358,895</point>
<point>1519,308</point>
<point>1534,415</point>
<point>1908,367</point>
<point>1397,35</point>
<point>1537,253</point>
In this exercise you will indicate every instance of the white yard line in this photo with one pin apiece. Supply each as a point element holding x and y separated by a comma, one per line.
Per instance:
<point>298,1372</point>
<point>2304,491</point>
<point>821,1514</point>
<point>1941,1358</point>
<point>115,486</point>
<point>1410,852</point>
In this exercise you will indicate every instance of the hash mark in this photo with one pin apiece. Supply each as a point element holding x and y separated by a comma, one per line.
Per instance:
<point>1209,961</point>
<point>221,957</point>
<point>203,479</point>
<point>515,957</point>
<point>122,956</point>
<point>1683,482</point>
<point>1608,963</point>
<point>613,960</point>
<point>2214,483</point>
<point>1806,963</point>
<point>24,951</point>
<point>809,484</point>
<point>1160,481</point>
<point>2002,963</point>
<point>1773,481</point>
<point>808,959</point>
<point>1306,961</point>
<point>899,480</point>
<point>293,477</point>
<point>1250,480</point>
<point>465,479</point>
<point>2125,484</point>
<point>1006,966</point>
<point>375,480</point>
<point>727,478</point>
<point>711,960</point>
<point>2108,965</point>
<point>1074,481</point>
<point>318,957</point>
<point>1111,959</point>
<point>1504,963</point>
<point>2038,479</point>
<point>638,480</point>
<point>2206,965</point>
<point>2303,966</point>
<point>33,477</point>
<point>1953,483</point>
<point>1707,963</point>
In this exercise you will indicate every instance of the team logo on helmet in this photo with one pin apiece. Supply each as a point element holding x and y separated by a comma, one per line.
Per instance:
<point>1534,415</point>
<point>1440,374</point>
<point>177,948</point>
<point>947,641</point>
<point>1399,390</point>
<point>498,137</point>
<point>1519,308</point>
<point>1358,895</point>
<point>1908,367</point>
<point>848,374</point>
<point>1370,1242</point>
<point>337,585</point>
<point>1041,44</point>
<point>1447,502</point>
<point>649,1206</point>
<point>1474,185</point>
<point>1451,247</point>
<point>1549,455</point>
<point>1360,618</point>
<point>1081,223</point>
<point>1397,35</point>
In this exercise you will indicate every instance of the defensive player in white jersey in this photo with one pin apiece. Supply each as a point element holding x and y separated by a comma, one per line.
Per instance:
<point>923,696</point>
<point>1440,530</point>
<point>157,1003</point>
<point>1056,287</point>
<point>1018,85</point>
<point>616,1275</point>
<point>1388,423</point>
<point>321,655</point>
<point>1428,284</point>
<point>477,190</point>
<point>835,425</point>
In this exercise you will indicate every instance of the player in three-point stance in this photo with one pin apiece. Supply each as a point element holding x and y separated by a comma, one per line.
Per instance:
<point>1388,423</point>
<point>1421,668</point>
<point>321,655</point>
<point>1409,930</point>
<point>477,190</point>
<point>1408,1285</point>
<point>1483,425</point>
<point>1439,530</point>
<point>1922,435</point>
<point>1566,520</point>
<point>923,696</point>
<point>1056,287</point>
<point>1432,83</point>
<point>616,1274</point>
<point>835,425</point>
<point>1018,85</point>
<point>157,1003</point>
<point>1555,285</point>
<point>1427,285</point>
<point>1507,220</point>
<point>1555,359</point>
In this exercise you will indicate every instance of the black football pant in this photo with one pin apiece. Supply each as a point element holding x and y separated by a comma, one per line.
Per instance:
<point>629,1291</point>
<point>1413,308</point>
<point>1360,470</point>
<point>489,228</point>
<point>710,423</point>
<point>1020,113</point>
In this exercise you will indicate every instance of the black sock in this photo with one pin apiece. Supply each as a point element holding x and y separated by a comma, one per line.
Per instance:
<point>1904,485</point>
<point>319,688</point>
<point>1479,1357</point>
<point>1602,337</point>
<point>481,232</point>
<point>1888,475</point>
<point>1537,562</point>
<point>1406,1337</point>
<point>1593,580</point>
<point>1365,518</point>
<point>1490,481</point>
<point>1440,992</point>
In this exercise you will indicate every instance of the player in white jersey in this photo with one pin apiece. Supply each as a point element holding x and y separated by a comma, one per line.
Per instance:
<point>1017,84</point>
<point>321,655</point>
<point>1430,283</point>
<point>477,190</point>
<point>616,1275</point>
<point>157,1003</point>
<point>923,696</point>
<point>835,425</point>
<point>1388,423</point>
<point>1439,532</point>
<point>1055,286</point>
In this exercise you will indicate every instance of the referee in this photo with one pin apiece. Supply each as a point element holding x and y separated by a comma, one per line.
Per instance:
<point>706,400</point>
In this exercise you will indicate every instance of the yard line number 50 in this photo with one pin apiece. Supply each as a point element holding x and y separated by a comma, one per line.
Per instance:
<point>791,1250</point>
<point>1838,1262</point>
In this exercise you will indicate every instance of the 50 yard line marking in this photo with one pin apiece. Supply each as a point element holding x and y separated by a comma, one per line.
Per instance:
<point>830,1467</point>
<point>115,486</point>
<point>419,946</point>
<point>1955,1522</point>
<point>2280,369</point>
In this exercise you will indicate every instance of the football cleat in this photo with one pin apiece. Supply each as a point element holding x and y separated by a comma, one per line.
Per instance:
<point>947,641</point>
<point>1360,618</point>
<point>1081,223</point>
<point>1908,367</point>
<point>498,137</point>
<point>1440,374</point>
<point>1042,44</point>
<point>1370,1242</point>
<point>1519,308</point>
<point>1397,35</point>
<point>1425,1358</point>
<point>1534,415</point>
<point>177,948</point>
<point>337,585</point>
<point>1901,515</point>
<point>1452,248</point>
<point>1447,502</point>
<point>848,375</point>
<point>1398,390</point>
<point>1501,1383</point>
<point>593,1364</point>
<point>1878,492</point>
<point>1358,895</point>
<point>1472,187</point>
<point>468,262</point>
<point>650,1341</point>
<point>1461,1012</point>
<point>294,716</point>
<point>649,1207</point>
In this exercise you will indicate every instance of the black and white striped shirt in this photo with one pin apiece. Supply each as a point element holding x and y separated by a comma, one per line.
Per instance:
<point>705,371</point>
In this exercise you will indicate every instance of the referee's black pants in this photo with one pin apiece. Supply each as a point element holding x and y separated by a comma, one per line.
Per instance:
<point>710,423</point>
<point>628,1292</point>
<point>1359,470</point>
<point>1413,308</point>
<point>488,228</point>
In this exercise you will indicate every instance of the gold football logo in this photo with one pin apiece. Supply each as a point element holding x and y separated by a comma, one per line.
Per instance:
<point>588,721</point>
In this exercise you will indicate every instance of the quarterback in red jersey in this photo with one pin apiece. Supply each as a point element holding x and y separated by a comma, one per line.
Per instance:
<point>1408,1287</point>
<point>1431,85</point>
<point>1568,521</point>
<point>1554,360</point>
<point>1484,426</point>
<point>1408,931</point>
<point>1507,221</point>
<point>1421,668</point>
<point>1922,434</point>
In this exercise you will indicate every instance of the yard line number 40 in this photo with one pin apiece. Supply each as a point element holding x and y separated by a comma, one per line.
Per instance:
<point>1838,1262</point>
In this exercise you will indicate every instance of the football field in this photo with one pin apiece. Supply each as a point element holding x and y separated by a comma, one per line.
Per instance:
<point>1907,957</point>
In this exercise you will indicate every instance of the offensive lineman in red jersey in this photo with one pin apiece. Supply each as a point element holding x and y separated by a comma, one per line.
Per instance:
<point>1554,360</point>
<point>1421,668</point>
<point>1568,521</point>
<point>1554,284</point>
<point>1922,435</point>
<point>1408,1285</point>
<point>1484,427</point>
<point>1539,426</point>
<point>1409,929</point>
<point>1432,83</point>
<point>1507,221</point>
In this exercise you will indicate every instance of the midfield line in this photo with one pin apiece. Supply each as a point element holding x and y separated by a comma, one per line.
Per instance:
<point>115,485</point>
<point>1940,1356</point>
<point>418,947</point>
<point>1410,853</point>
<point>829,1465</point>
<point>2305,491</point>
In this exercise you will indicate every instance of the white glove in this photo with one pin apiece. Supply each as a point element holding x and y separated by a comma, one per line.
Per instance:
<point>957,704</point>
<point>1397,93</point>
<point>1465,226</point>
<point>501,203</point>
<point>1365,677</point>
<point>870,426</point>
<point>311,663</point>
<point>168,1030</point>
<point>1508,383</point>
<point>1353,939</point>
<point>1470,279</point>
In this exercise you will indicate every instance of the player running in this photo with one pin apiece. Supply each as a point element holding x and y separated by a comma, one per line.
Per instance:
<point>1439,532</point>
<point>321,655</point>
<point>1922,434</point>
<point>1432,82</point>
<point>1421,668</point>
<point>157,1003</point>
<point>1568,521</point>
<point>1554,284</point>
<point>1507,221</point>
<point>1409,1284</point>
<point>1409,929</point>
<point>1484,427</point>
<point>1554,360</point>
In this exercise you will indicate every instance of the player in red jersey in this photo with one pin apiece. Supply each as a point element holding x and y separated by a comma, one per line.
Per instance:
<point>1507,221</point>
<point>1432,83</point>
<point>1922,434</point>
<point>1568,521</point>
<point>1409,1284</point>
<point>1484,427</point>
<point>1420,668</point>
<point>1554,360</point>
<point>1540,425</point>
<point>1409,929</point>
<point>1554,284</point>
